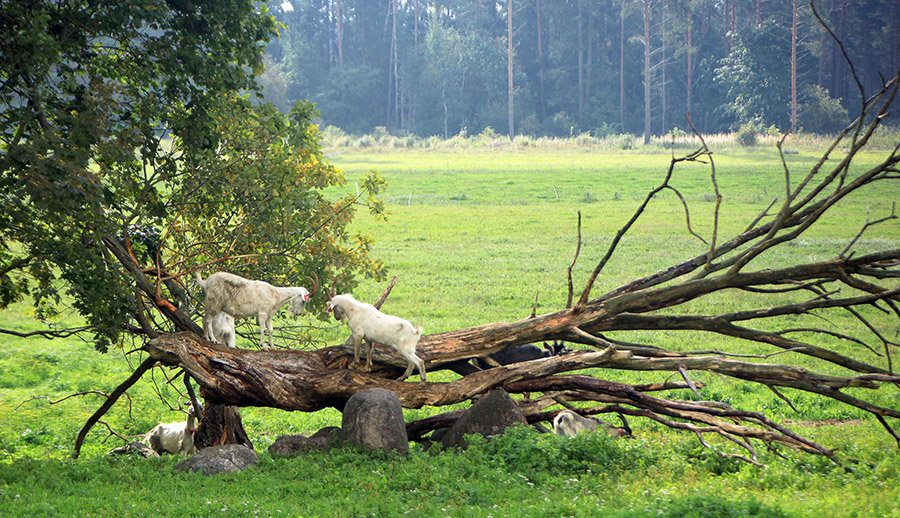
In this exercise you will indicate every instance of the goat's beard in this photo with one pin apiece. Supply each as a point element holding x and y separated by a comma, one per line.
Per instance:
<point>298,305</point>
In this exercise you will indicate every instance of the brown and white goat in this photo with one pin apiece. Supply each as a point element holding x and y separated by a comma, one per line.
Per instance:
<point>175,438</point>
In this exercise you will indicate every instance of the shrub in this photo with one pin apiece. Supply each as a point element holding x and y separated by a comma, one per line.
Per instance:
<point>559,125</point>
<point>707,459</point>
<point>524,140</point>
<point>488,135</point>
<point>821,113</point>
<point>746,136</point>
<point>333,135</point>
<point>676,134</point>
<point>543,456</point>
<point>606,129</point>
<point>712,506</point>
<point>585,139</point>
<point>381,135</point>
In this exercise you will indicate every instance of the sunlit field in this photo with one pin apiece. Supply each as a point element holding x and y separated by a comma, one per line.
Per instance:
<point>476,235</point>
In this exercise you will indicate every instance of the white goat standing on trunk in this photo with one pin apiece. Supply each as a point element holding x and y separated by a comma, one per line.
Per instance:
<point>367,323</point>
<point>175,438</point>
<point>242,298</point>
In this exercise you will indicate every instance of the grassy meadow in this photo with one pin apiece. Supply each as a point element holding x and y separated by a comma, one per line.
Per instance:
<point>475,234</point>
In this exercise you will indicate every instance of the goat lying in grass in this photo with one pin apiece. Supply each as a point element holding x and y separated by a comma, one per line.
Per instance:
<point>570,424</point>
<point>239,297</point>
<point>367,323</point>
<point>175,438</point>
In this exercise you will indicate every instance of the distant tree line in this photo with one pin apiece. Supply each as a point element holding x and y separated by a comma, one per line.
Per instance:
<point>599,66</point>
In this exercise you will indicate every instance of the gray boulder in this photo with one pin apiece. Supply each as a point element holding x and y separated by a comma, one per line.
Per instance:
<point>489,416</point>
<point>228,458</point>
<point>373,419</point>
<point>324,439</point>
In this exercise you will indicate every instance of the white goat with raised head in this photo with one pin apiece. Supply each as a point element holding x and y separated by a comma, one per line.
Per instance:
<point>367,323</point>
<point>239,297</point>
<point>175,438</point>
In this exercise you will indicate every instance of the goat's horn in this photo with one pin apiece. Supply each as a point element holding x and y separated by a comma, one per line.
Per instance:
<point>315,284</point>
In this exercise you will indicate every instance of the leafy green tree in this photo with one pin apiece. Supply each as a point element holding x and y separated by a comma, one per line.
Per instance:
<point>757,73</point>
<point>347,96</point>
<point>821,113</point>
<point>466,76</point>
<point>131,150</point>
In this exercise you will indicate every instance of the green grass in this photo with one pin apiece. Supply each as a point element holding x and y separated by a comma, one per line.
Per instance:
<point>474,236</point>
<point>523,473</point>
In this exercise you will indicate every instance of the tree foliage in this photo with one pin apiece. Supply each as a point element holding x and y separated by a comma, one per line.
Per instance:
<point>569,58</point>
<point>131,126</point>
<point>752,73</point>
<point>464,77</point>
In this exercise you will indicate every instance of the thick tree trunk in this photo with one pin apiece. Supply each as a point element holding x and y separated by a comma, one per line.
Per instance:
<point>663,49</point>
<point>690,64</point>
<point>509,67</point>
<point>221,424</point>
<point>579,36</point>
<point>794,65</point>
<point>338,17</point>
<point>542,92</point>
<point>312,380</point>
<point>647,70</point>
<point>622,65</point>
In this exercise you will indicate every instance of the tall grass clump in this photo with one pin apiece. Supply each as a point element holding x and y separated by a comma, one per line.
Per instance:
<point>746,135</point>
<point>885,137</point>
<point>716,506</point>
<point>544,457</point>
<point>602,139</point>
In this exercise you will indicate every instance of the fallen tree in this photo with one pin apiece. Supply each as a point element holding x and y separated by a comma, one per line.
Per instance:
<point>310,380</point>
<point>118,181</point>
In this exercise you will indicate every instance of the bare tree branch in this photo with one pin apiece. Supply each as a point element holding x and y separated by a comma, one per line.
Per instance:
<point>110,401</point>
